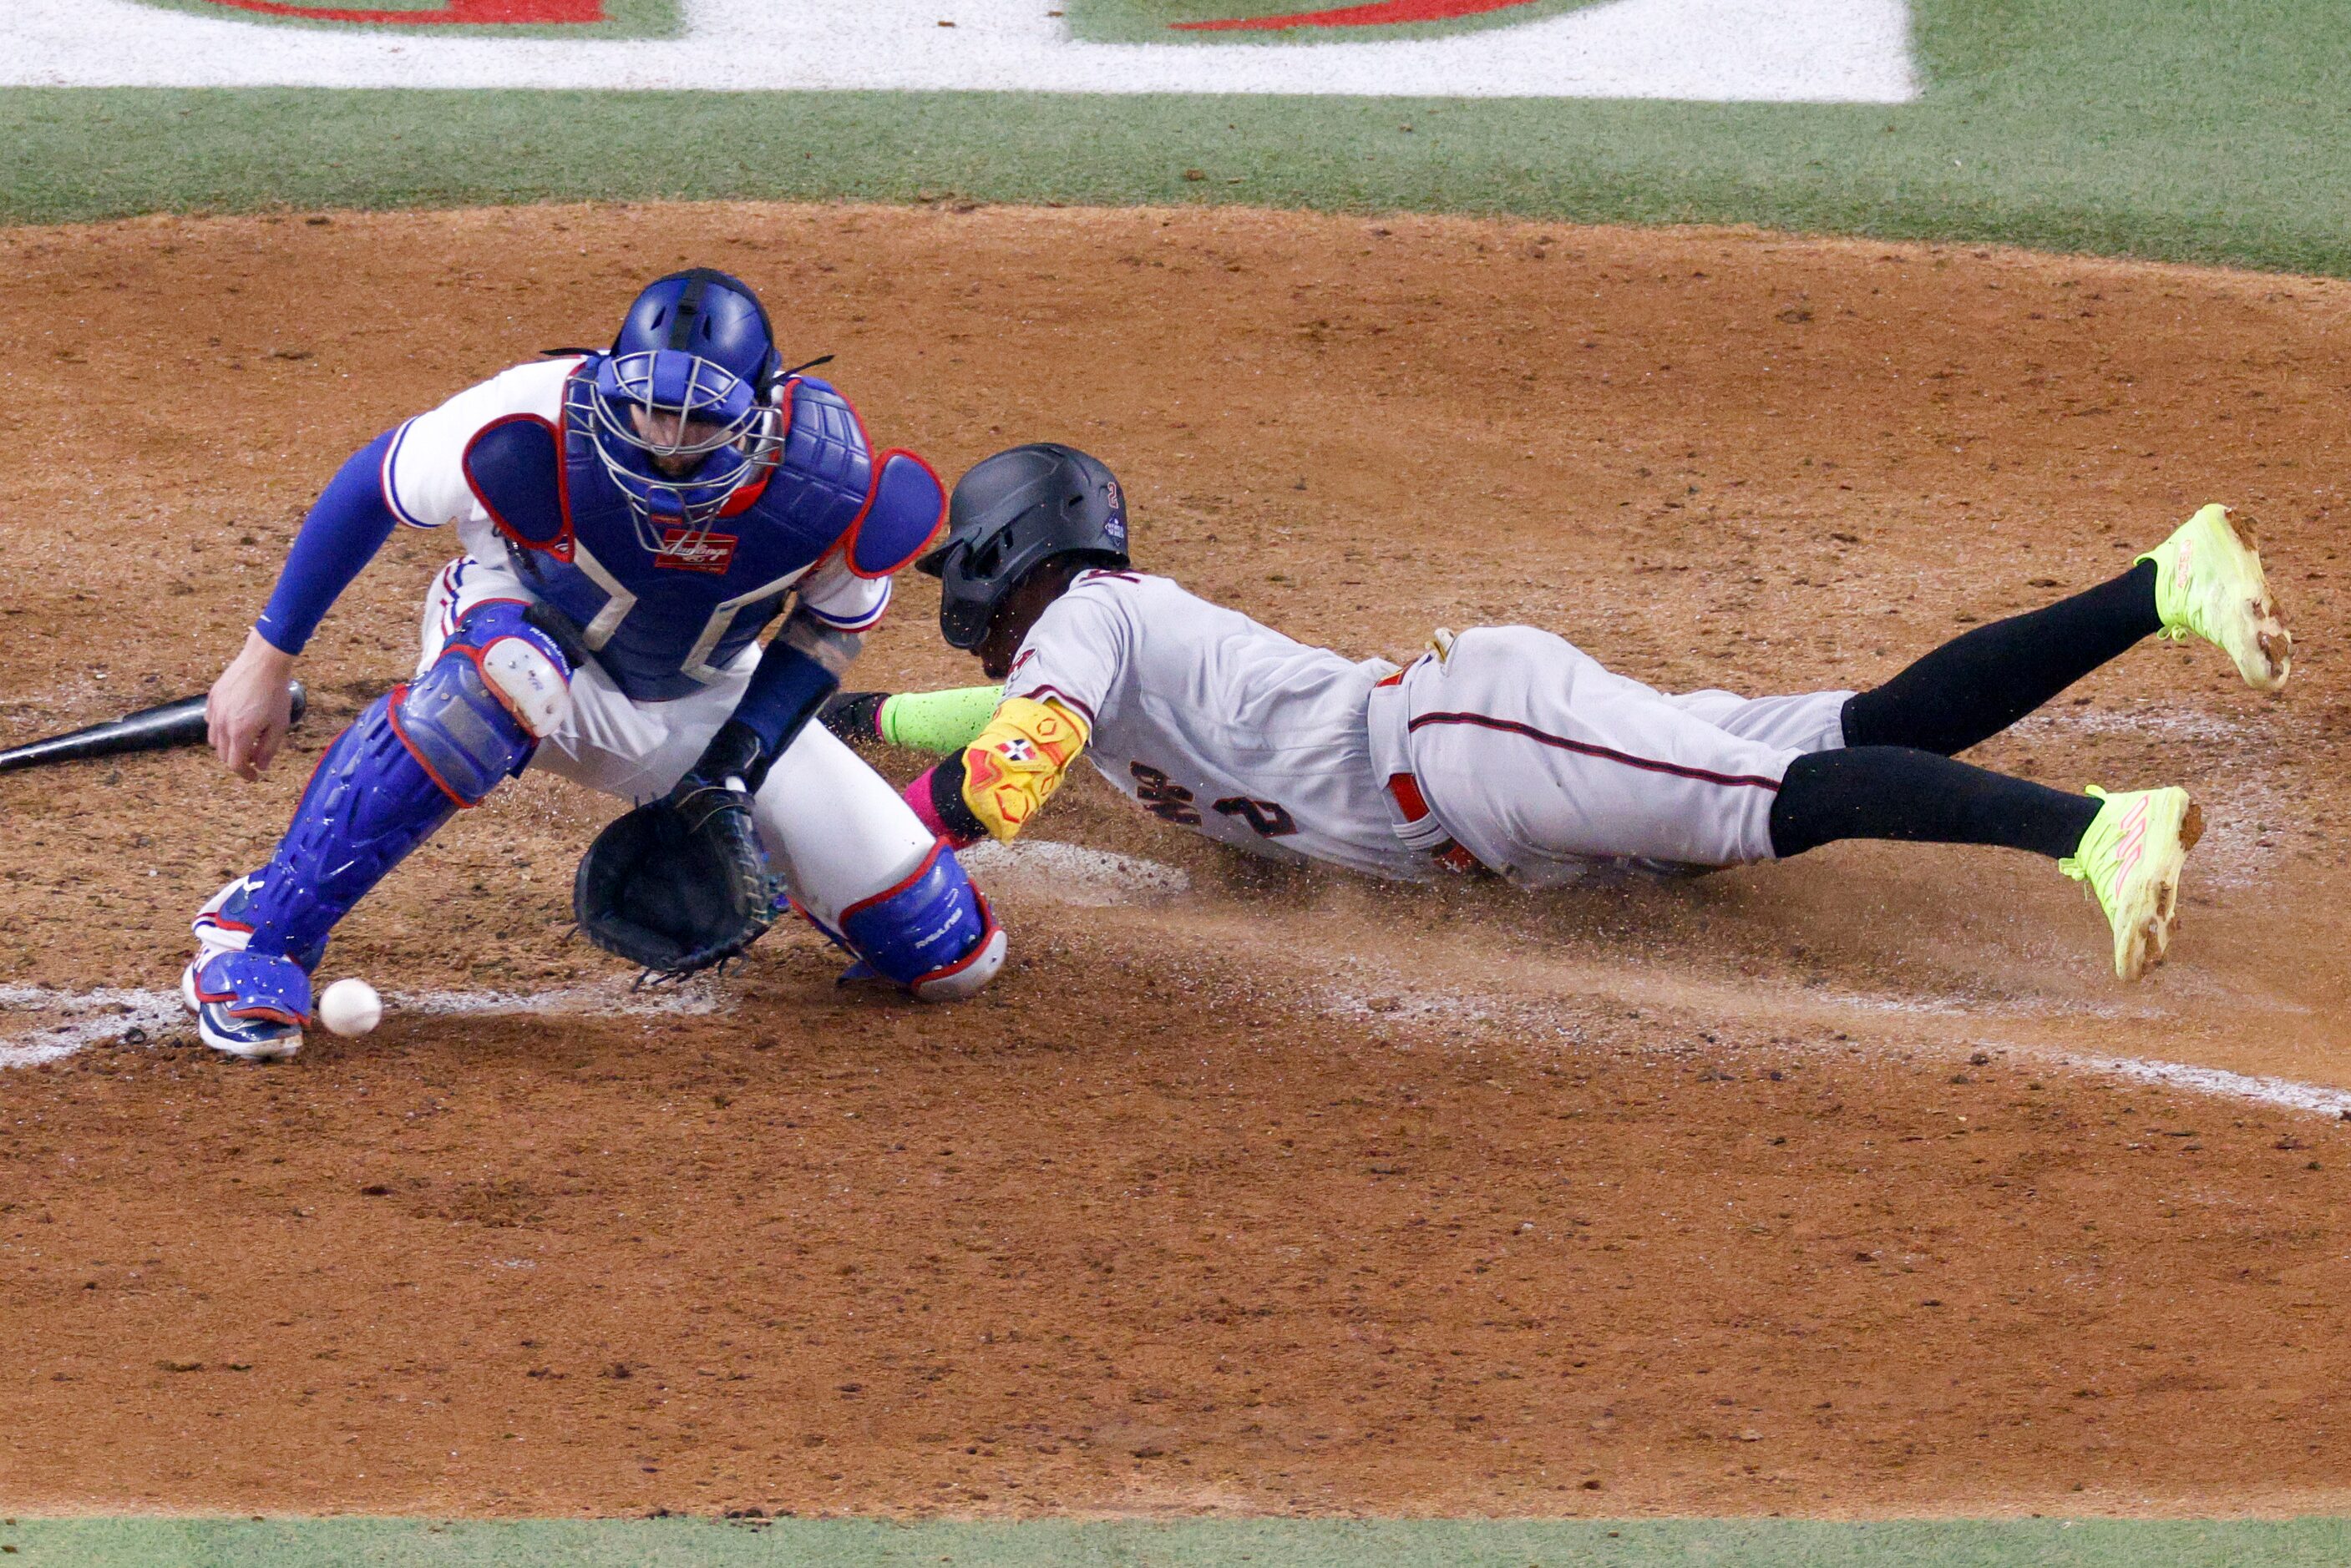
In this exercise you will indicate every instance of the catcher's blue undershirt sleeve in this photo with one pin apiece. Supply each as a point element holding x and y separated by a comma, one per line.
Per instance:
<point>346,525</point>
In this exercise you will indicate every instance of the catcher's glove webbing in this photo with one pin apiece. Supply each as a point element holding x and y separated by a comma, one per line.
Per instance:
<point>681,884</point>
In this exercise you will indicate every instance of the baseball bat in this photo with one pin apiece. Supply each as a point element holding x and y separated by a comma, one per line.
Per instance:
<point>179,723</point>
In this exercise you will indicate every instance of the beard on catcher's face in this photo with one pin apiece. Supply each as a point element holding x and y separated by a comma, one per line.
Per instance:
<point>672,428</point>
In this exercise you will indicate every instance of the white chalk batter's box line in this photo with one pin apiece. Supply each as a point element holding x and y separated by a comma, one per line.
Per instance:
<point>108,1014</point>
<point>1071,874</point>
<point>1719,51</point>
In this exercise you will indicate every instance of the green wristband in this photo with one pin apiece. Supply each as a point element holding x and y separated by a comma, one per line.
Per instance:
<point>939,720</point>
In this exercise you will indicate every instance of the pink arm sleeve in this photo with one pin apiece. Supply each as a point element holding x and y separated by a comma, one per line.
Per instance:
<point>918,796</point>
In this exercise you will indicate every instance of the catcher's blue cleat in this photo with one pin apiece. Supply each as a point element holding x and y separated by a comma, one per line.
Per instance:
<point>225,924</point>
<point>247,1004</point>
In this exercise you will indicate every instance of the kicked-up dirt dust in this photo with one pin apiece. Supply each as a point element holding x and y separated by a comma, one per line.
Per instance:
<point>1774,1191</point>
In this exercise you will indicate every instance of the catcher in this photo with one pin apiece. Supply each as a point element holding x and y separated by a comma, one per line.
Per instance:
<point>1504,747</point>
<point>632,520</point>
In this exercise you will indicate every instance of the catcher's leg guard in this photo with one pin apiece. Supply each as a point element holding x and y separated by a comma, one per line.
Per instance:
<point>931,933</point>
<point>387,782</point>
<point>869,875</point>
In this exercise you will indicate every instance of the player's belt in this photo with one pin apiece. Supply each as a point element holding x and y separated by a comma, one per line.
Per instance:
<point>1404,790</point>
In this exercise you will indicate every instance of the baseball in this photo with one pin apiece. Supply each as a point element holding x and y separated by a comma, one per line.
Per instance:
<point>350,1007</point>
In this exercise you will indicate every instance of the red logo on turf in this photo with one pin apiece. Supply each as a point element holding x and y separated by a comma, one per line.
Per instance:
<point>1377,14</point>
<point>450,13</point>
<point>692,550</point>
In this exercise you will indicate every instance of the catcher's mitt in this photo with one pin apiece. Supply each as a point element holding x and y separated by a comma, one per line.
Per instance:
<point>678,885</point>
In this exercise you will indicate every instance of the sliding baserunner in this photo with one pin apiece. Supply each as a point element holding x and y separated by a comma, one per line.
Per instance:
<point>1505,747</point>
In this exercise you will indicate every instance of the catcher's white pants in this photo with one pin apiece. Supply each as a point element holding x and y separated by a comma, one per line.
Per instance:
<point>1544,765</point>
<point>834,827</point>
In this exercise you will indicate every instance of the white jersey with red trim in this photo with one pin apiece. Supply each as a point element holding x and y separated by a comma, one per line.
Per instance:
<point>1216,723</point>
<point>1512,745</point>
<point>1547,766</point>
<point>424,484</point>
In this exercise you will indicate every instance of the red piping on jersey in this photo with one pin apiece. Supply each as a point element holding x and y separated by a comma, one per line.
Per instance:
<point>384,479</point>
<point>1107,572</point>
<point>1038,693</point>
<point>1585,748</point>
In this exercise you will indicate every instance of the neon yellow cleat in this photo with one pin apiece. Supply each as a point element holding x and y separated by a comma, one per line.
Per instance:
<point>2209,581</point>
<point>2131,859</point>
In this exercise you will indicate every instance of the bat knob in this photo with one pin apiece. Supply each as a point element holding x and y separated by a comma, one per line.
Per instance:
<point>301,701</point>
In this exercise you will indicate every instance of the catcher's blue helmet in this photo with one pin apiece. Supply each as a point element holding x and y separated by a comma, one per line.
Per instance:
<point>681,411</point>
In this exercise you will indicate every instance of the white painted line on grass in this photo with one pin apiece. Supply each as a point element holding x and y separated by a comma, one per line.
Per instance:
<point>1774,51</point>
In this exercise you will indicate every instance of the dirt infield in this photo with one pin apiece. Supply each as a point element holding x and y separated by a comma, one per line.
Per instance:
<point>1282,1193</point>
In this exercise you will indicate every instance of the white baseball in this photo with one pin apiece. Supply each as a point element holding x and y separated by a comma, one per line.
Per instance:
<point>350,1007</point>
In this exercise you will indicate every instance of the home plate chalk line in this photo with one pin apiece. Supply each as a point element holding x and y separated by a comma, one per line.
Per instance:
<point>86,1018</point>
<point>1067,873</point>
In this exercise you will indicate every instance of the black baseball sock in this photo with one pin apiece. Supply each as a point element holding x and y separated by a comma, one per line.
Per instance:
<point>1895,792</point>
<point>1975,686</point>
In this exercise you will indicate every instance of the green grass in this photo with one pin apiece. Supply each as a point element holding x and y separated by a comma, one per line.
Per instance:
<point>2214,131</point>
<point>622,18</point>
<point>1267,1544</point>
<point>1148,21</point>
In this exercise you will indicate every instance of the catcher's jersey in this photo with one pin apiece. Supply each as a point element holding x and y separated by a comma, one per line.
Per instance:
<point>1214,722</point>
<point>668,624</point>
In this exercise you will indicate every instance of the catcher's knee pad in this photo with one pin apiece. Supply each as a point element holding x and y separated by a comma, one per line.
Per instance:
<point>477,714</point>
<point>931,933</point>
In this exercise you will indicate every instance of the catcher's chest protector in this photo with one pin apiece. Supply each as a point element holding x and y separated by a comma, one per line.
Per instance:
<point>664,625</point>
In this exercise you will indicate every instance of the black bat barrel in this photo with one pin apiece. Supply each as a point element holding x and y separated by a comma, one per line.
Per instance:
<point>179,723</point>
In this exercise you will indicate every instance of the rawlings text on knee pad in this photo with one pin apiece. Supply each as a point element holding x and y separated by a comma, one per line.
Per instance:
<point>931,933</point>
<point>475,716</point>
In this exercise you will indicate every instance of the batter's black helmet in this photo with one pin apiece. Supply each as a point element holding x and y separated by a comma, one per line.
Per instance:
<point>1012,512</point>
